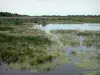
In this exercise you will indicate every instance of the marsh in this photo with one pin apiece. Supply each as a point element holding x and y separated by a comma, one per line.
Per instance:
<point>54,49</point>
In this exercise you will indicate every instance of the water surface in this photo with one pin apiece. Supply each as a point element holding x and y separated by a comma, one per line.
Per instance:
<point>72,27</point>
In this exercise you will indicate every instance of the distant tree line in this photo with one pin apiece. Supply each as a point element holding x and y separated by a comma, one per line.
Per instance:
<point>71,16</point>
<point>83,15</point>
<point>7,14</point>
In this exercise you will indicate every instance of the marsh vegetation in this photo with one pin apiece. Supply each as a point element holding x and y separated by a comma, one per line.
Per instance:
<point>23,48</point>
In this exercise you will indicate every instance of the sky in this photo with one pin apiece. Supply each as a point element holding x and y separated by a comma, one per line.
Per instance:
<point>51,7</point>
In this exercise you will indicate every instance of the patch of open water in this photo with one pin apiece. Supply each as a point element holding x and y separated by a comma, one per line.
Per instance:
<point>72,27</point>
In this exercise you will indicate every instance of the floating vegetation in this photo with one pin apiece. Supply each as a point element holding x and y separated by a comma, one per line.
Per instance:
<point>91,73</point>
<point>89,64</point>
<point>88,59</point>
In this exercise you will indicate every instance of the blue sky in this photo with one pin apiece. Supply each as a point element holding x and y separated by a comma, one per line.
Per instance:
<point>51,7</point>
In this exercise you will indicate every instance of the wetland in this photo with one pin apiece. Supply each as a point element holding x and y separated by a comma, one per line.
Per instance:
<point>53,49</point>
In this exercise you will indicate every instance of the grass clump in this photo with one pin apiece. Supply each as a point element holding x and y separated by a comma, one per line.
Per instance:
<point>73,53</point>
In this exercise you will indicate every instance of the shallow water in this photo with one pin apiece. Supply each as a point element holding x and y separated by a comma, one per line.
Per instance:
<point>65,69</point>
<point>72,27</point>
